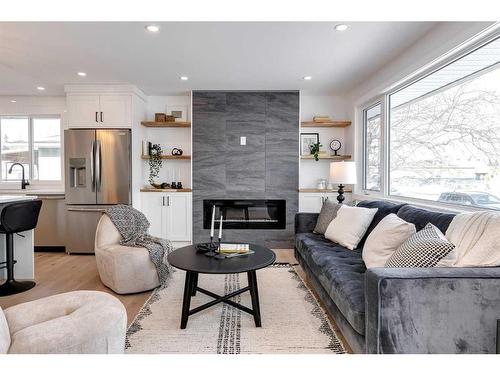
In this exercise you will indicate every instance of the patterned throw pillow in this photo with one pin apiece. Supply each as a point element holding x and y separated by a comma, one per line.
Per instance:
<point>327,214</point>
<point>424,249</point>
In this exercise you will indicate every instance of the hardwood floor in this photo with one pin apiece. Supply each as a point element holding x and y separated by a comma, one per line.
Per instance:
<point>59,273</point>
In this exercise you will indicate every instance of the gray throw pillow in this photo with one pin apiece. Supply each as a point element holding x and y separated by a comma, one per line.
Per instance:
<point>327,214</point>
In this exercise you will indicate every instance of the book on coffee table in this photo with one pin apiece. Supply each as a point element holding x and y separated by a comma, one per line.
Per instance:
<point>234,248</point>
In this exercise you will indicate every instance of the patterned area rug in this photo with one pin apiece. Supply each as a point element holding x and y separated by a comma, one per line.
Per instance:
<point>292,320</point>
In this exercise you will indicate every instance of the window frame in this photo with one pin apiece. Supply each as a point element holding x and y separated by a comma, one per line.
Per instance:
<point>366,108</point>
<point>384,98</point>
<point>31,117</point>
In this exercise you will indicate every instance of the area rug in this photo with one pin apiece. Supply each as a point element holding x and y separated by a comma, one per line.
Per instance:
<point>292,319</point>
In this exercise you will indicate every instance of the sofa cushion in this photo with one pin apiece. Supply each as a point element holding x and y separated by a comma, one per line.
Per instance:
<point>384,240</point>
<point>326,215</point>
<point>421,217</point>
<point>4,334</point>
<point>350,225</point>
<point>340,272</point>
<point>384,208</point>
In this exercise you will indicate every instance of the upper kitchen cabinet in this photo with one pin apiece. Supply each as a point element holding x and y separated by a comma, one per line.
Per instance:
<point>101,106</point>
<point>99,111</point>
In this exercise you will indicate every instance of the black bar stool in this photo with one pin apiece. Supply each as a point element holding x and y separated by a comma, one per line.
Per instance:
<point>16,217</point>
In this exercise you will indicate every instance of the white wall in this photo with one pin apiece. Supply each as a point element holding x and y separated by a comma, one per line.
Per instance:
<point>169,138</point>
<point>310,171</point>
<point>436,43</point>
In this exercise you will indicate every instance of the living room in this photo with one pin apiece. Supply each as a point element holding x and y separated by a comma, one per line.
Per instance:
<point>249,186</point>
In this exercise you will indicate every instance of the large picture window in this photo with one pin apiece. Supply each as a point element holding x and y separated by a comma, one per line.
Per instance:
<point>445,133</point>
<point>34,142</point>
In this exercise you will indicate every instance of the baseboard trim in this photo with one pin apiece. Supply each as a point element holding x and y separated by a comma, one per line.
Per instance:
<point>50,249</point>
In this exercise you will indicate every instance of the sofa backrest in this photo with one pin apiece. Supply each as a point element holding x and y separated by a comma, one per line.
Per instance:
<point>384,208</point>
<point>421,217</point>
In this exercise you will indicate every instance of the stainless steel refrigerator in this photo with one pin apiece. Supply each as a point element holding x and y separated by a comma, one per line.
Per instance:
<point>97,175</point>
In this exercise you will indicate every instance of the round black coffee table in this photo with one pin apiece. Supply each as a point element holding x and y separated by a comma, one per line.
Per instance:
<point>188,259</point>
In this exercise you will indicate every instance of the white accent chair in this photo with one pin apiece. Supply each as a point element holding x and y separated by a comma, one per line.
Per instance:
<point>123,269</point>
<point>81,322</point>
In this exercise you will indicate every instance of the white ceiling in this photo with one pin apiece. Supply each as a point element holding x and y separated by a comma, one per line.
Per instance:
<point>216,56</point>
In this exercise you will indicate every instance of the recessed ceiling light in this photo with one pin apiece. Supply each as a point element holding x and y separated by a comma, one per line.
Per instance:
<point>13,101</point>
<point>341,27</point>
<point>153,28</point>
<point>184,78</point>
<point>307,78</point>
<point>82,74</point>
<point>40,88</point>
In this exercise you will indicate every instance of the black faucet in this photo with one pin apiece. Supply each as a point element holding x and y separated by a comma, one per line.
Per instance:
<point>23,181</point>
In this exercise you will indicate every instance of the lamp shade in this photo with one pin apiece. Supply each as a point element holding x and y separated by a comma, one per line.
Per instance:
<point>343,172</point>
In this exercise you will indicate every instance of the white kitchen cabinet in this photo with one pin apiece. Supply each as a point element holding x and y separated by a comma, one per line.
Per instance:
<point>169,214</point>
<point>107,110</point>
<point>312,202</point>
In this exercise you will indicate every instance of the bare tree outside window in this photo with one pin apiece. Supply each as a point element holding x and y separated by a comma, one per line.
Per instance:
<point>445,144</point>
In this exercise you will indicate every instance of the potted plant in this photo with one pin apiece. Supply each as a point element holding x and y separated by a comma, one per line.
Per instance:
<point>315,150</point>
<point>155,163</point>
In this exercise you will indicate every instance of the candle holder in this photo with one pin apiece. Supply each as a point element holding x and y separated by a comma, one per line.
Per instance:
<point>218,254</point>
<point>211,253</point>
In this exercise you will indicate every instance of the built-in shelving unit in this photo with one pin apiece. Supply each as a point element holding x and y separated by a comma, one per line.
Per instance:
<point>154,124</point>
<point>170,157</point>
<point>327,157</point>
<point>154,190</point>
<point>306,190</point>
<point>331,124</point>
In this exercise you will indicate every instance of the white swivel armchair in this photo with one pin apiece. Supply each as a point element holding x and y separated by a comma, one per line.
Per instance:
<point>123,269</point>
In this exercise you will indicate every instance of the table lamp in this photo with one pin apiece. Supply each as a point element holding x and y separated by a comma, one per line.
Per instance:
<point>342,172</point>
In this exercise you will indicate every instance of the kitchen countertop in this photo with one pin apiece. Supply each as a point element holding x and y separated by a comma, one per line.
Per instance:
<point>15,198</point>
<point>31,192</point>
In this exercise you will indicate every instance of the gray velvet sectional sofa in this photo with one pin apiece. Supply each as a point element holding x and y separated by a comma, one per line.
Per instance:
<point>401,310</point>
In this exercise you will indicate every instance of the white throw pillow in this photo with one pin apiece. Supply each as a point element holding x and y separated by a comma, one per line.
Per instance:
<point>384,240</point>
<point>4,334</point>
<point>350,225</point>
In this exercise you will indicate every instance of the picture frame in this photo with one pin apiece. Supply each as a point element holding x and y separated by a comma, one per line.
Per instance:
<point>307,139</point>
<point>179,111</point>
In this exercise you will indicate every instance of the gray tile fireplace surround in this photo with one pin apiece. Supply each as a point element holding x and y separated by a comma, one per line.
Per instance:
<point>266,168</point>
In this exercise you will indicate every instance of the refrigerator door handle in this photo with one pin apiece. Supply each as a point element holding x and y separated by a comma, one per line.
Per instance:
<point>87,209</point>
<point>92,174</point>
<point>98,165</point>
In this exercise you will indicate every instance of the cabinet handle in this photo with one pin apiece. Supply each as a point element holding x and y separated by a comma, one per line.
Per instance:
<point>322,200</point>
<point>168,200</point>
<point>163,201</point>
<point>96,117</point>
<point>101,116</point>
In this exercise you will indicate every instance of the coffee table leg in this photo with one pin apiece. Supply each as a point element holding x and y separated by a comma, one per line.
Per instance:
<point>194,283</point>
<point>254,293</point>
<point>186,301</point>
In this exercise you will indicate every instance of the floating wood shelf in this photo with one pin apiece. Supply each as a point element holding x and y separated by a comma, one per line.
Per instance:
<point>170,157</point>
<point>307,190</point>
<point>331,124</point>
<point>154,190</point>
<point>327,157</point>
<point>154,124</point>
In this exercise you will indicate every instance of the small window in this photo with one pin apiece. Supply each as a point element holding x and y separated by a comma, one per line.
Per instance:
<point>34,142</point>
<point>372,163</point>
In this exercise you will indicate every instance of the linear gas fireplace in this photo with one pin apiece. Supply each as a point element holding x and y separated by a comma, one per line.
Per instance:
<point>246,213</point>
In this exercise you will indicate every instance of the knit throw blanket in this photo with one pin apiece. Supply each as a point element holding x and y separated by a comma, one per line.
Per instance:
<point>133,227</point>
